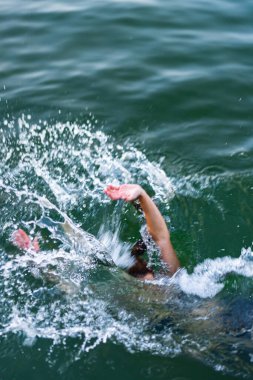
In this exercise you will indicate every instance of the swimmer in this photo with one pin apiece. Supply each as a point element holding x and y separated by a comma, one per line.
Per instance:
<point>156,227</point>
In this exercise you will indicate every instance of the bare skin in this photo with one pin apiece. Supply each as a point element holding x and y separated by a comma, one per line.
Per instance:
<point>23,241</point>
<point>155,222</point>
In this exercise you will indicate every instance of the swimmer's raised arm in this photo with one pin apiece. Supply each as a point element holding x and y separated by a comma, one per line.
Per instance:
<point>155,222</point>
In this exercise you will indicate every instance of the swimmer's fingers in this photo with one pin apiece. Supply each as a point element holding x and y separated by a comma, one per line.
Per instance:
<point>113,192</point>
<point>21,239</point>
<point>116,194</point>
<point>130,192</point>
<point>35,244</point>
<point>112,187</point>
<point>126,192</point>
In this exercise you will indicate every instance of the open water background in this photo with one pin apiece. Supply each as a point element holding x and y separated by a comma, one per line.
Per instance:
<point>156,92</point>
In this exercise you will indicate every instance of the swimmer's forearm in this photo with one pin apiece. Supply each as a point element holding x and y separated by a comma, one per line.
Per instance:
<point>158,230</point>
<point>155,222</point>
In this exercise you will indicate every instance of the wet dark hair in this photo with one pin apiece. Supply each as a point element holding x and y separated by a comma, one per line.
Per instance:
<point>139,248</point>
<point>140,267</point>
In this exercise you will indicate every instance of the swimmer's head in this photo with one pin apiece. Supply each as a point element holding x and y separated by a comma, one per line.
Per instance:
<point>139,268</point>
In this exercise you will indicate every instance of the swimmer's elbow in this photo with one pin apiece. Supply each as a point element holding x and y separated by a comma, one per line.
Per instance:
<point>168,255</point>
<point>164,244</point>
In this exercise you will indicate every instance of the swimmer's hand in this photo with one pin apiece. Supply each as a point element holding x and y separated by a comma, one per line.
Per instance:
<point>23,241</point>
<point>126,192</point>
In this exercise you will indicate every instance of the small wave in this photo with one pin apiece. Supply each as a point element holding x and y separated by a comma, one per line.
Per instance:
<point>208,277</point>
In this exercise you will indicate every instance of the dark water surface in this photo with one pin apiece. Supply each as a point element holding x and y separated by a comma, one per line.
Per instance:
<point>155,92</point>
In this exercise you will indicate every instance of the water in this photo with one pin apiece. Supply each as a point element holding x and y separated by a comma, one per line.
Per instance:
<point>152,92</point>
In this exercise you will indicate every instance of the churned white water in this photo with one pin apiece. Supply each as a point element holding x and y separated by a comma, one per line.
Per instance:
<point>52,181</point>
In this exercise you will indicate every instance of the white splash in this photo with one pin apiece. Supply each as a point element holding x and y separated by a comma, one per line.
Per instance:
<point>76,161</point>
<point>120,252</point>
<point>208,277</point>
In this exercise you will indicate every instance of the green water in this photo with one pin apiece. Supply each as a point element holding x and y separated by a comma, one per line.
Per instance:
<point>155,92</point>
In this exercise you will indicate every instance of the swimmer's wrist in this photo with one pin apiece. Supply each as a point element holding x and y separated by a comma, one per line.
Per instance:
<point>142,193</point>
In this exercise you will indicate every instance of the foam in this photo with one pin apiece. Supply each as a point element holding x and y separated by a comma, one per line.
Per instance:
<point>49,170</point>
<point>90,158</point>
<point>208,278</point>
